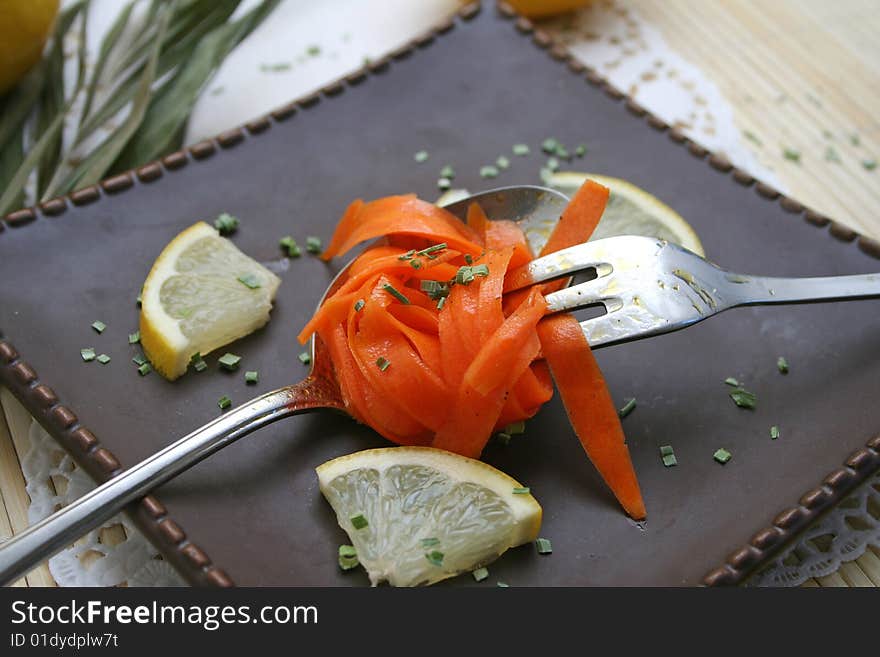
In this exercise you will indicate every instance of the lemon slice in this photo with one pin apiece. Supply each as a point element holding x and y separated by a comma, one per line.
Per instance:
<point>430,514</point>
<point>631,211</point>
<point>194,301</point>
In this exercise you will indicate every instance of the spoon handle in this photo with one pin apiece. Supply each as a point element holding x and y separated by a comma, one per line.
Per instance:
<point>24,551</point>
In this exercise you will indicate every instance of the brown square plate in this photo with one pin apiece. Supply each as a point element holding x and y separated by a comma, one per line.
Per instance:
<point>253,514</point>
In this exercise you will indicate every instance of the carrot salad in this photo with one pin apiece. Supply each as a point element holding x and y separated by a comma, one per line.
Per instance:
<point>430,350</point>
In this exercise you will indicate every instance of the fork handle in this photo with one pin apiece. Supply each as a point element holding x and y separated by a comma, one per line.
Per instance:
<point>763,290</point>
<point>25,550</point>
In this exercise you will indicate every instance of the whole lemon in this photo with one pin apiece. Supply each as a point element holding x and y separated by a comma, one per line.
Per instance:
<point>24,26</point>
<point>545,8</point>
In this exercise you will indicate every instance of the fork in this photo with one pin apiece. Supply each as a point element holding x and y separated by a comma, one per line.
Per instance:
<point>650,286</point>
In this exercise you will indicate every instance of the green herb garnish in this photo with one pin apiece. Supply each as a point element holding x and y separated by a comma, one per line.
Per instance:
<point>521,490</point>
<point>229,361</point>
<point>503,438</point>
<point>313,244</point>
<point>521,149</point>
<point>415,264</point>
<point>791,154</point>
<point>549,145</point>
<point>480,574</point>
<point>854,139</point>
<point>447,172</point>
<point>515,428</point>
<point>274,68</point>
<point>421,156</point>
<point>774,432</point>
<point>488,171</point>
<point>468,258</point>
<point>88,354</point>
<point>432,249</point>
<point>140,299</point>
<point>225,223</point>
<point>290,247</point>
<point>831,155</point>
<point>869,165</point>
<point>358,521</point>
<point>359,304</point>
<point>348,558</point>
<point>435,557</point>
<point>139,360</point>
<point>581,150</point>
<point>103,359</point>
<point>444,183</point>
<point>144,369</point>
<point>99,326</point>
<point>627,408</point>
<point>731,382</point>
<point>667,456</point>
<point>198,362</point>
<point>382,363</point>
<point>393,291</point>
<point>502,585</point>
<point>544,546</point>
<point>134,338</point>
<point>251,376</point>
<point>305,358</point>
<point>751,136</point>
<point>313,51</point>
<point>441,303</point>
<point>743,398</point>
<point>408,255</point>
<point>722,455</point>
<point>430,542</point>
<point>502,162</point>
<point>782,365</point>
<point>250,280</point>
<point>552,164</point>
<point>224,402</point>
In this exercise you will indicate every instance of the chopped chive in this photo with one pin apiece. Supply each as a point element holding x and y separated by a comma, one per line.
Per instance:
<point>382,363</point>
<point>313,51</point>
<point>468,258</point>
<point>502,162</point>
<point>198,362</point>
<point>562,152</point>
<point>791,154</point>
<point>408,255</point>
<point>432,249</point>
<point>503,438</point>
<point>224,402</point>
<point>774,432</point>
<point>145,369</point>
<point>140,299</point>
<point>88,354</point>
<point>313,244</point>
<point>515,428</point>
<point>103,359</point>
<point>415,264</point>
<point>743,398</point>
<point>552,164</point>
<point>722,455</point>
<point>502,585</point>
<point>435,557</point>
<point>667,456</point>
<point>751,136</point>
<point>99,326</point>
<point>444,183</point>
<point>581,150</point>
<point>521,490</point>
<point>441,303</point>
<point>290,247</point>
<point>731,382</point>
<point>488,171</point>
<point>229,361</point>
<point>358,521</point>
<point>627,408</point>
<point>251,376</point>
<point>250,280</point>
<point>447,172</point>
<point>831,155</point>
<point>393,291</point>
<point>480,574</point>
<point>305,358</point>
<point>521,149</point>
<point>348,557</point>
<point>420,156</point>
<point>359,304</point>
<point>225,223</point>
<point>869,165</point>
<point>430,542</point>
<point>854,139</point>
<point>134,338</point>
<point>782,365</point>
<point>544,546</point>
<point>139,360</point>
<point>480,270</point>
<point>549,145</point>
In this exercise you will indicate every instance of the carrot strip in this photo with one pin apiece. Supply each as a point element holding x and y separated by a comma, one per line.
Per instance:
<point>590,408</point>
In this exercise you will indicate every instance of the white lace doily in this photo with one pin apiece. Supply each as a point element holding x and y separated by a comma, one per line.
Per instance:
<point>117,554</point>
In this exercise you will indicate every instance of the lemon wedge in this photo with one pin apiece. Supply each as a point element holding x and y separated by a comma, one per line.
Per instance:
<point>418,515</point>
<point>631,211</point>
<point>201,294</point>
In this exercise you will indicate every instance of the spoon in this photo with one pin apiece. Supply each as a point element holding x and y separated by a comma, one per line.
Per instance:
<point>536,208</point>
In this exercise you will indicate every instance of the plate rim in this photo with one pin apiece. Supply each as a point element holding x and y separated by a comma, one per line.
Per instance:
<point>150,515</point>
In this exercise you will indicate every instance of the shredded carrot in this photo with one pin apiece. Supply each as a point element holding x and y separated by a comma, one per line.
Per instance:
<point>430,350</point>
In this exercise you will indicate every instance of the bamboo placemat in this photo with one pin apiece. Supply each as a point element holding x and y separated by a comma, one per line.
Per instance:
<point>801,75</point>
